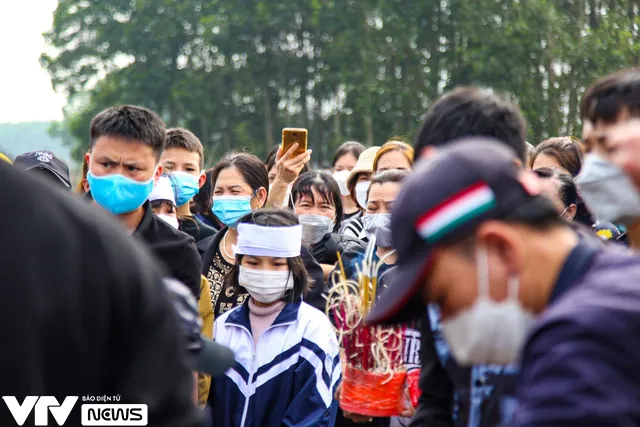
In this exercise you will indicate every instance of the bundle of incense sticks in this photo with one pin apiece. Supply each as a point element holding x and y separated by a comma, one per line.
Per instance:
<point>376,349</point>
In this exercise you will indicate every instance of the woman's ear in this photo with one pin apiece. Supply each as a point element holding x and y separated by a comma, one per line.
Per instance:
<point>261,197</point>
<point>571,212</point>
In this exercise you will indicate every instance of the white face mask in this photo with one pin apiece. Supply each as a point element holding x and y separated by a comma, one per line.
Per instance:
<point>489,331</point>
<point>608,191</point>
<point>361,193</point>
<point>171,220</point>
<point>315,227</point>
<point>265,286</point>
<point>341,179</point>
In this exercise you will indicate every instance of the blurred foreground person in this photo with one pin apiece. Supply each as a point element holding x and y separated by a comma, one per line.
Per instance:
<point>485,246</point>
<point>84,311</point>
<point>610,111</point>
<point>453,395</point>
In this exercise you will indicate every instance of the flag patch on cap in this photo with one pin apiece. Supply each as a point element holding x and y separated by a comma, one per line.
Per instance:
<point>458,209</point>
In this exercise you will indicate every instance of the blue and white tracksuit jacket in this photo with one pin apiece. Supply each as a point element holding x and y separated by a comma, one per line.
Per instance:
<point>288,379</point>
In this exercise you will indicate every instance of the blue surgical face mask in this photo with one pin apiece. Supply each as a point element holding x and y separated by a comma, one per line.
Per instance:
<point>117,193</point>
<point>185,186</point>
<point>229,209</point>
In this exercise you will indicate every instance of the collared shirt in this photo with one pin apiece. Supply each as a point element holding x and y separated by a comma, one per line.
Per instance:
<point>580,363</point>
<point>175,249</point>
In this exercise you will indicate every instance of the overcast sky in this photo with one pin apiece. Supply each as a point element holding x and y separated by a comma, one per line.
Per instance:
<point>25,88</point>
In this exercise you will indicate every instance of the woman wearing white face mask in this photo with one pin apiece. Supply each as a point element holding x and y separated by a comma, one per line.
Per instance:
<point>288,362</point>
<point>344,161</point>
<point>317,203</point>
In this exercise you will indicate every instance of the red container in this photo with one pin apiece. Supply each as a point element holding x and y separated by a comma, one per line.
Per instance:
<point>413,380</point>
<point>370,394</point>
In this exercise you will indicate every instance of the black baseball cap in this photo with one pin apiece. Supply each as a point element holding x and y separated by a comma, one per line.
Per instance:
<point>445,199</point>
<point>47,161</point>
<point>207,356</point>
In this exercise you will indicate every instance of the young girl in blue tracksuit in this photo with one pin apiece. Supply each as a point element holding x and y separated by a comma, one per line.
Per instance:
<point>288,362</point>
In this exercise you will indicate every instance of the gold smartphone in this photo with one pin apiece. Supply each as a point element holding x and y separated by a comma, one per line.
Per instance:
<point>292,135</point>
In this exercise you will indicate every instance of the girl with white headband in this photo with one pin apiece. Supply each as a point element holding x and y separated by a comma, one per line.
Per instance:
<point>288,362</point>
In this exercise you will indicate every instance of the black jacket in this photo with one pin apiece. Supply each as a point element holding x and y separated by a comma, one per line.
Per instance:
<point>314,297</point>
<point>84,309</point>
<point>174,248</point>
<point>326,251</point>
<point>196,228</point>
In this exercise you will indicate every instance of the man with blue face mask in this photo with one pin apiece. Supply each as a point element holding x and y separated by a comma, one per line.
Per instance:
<point>513,282</point>
<point>126,145</point>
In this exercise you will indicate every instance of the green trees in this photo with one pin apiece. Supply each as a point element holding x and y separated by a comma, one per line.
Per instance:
<point>237,71</point>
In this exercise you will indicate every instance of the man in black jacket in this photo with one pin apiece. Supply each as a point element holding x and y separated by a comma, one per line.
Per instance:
<point>126,145</point>
<point>84,309</point>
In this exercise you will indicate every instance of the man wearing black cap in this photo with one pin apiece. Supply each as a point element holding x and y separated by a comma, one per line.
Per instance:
<point>83,309</point>
<point>452,395</point>
<point>46,165</point>
<point>494,256</point>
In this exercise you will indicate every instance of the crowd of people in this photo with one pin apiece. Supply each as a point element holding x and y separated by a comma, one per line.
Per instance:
<point>202,292</point>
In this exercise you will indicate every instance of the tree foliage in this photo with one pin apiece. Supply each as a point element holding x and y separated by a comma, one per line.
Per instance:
<point>237,71</point>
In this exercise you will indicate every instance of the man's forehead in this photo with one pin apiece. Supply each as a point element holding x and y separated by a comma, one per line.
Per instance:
<point>121,148</point>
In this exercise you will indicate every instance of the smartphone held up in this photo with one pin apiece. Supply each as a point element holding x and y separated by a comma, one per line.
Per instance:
<point>292,136</point>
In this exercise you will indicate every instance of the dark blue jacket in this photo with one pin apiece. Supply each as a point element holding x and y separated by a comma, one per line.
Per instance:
<point>581,364</point>
<point>289,378</point>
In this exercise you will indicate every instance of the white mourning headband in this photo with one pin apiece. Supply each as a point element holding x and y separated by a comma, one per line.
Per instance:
<point>277,242</point>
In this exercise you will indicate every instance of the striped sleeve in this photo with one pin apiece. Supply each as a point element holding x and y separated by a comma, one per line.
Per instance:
<point>353,228</point>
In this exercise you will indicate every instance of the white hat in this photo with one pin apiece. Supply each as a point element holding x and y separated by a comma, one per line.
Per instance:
<point>163,190</point>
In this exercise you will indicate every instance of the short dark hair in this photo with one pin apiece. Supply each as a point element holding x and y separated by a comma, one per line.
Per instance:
<point>271,160</point>
<point>567,150</point>
<point>607,97</point>
<point>251,168</point>
<point>472,111</point>
<point>130,123</point>
<point>393,175</point>
<point>275,218</point>
<point>185,139</point>
<point>350,147</point>
<point>324,184</point>
<point>569,194</point>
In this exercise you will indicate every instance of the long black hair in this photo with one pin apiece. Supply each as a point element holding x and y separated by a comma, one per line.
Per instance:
<point>275,218</point>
